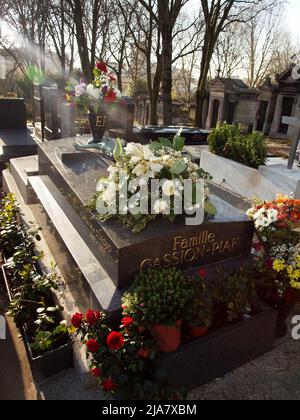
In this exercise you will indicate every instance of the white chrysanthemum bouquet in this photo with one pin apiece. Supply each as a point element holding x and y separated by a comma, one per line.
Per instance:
<point>151,180</point>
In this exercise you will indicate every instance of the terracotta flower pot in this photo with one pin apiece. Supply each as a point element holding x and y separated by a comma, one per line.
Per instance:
<point>168,338</point>
<point>197,332</point>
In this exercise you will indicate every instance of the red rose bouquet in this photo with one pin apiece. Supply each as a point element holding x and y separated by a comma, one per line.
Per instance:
<point>121,359</point>
<point>101,92</point>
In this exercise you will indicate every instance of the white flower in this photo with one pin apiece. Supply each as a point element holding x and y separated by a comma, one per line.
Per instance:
<point>169,188</point>
<point>141,170</point>
<point>109,195</point>
<point>93,92</point>
<point>155,167</point>
<point>161,206</point>
<point>118,92</point>
<point>80,89</point>
<point>272,215</point>
<point>263,222</point>
<point>134,149</point>
<point>260,213</point>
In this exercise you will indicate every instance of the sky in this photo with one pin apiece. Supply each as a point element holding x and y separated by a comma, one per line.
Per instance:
<point>291,17</point>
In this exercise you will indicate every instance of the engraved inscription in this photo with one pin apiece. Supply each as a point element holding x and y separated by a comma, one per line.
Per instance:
<point>101,120</point>
<point>191,250</point>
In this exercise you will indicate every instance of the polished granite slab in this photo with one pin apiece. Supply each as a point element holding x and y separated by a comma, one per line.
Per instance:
<point>162,243</point>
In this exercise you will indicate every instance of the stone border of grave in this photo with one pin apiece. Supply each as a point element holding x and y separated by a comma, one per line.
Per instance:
<point>205,359</point>
<point>265,182</point>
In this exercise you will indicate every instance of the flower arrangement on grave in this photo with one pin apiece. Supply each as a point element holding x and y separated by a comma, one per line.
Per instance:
<point>96,98</point>
<point>277,252</point>
<point>131,177</point>
<point>122,359</point>
<point>276,223</point>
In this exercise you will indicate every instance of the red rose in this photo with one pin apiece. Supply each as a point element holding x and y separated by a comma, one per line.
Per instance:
<point>92,317</point>
<point>102,67</point>
<point>111,96</point>
<point>202,273</point>
<point>77,320</point>
<point>96,372</point>
<point>92,345</point>
<point>127,322</point>
<point>115,341</point>
<point>109,385</point>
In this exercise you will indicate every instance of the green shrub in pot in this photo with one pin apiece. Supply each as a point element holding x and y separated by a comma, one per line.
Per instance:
<point>161,296</point>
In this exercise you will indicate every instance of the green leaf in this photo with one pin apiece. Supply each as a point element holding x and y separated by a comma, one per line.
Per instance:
<point>166,142</point>
<point>209,208</point>
<point>179,168</point>
<point>97,72</point>
<point>178,143</point>
<point>118,150</point>
<point>155,146</point>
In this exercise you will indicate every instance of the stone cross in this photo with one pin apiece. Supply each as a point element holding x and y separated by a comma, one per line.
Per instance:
<point>295,122</point>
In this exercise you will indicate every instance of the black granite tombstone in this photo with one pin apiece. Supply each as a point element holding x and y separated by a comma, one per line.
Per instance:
<point>163,244</point>
<point>192,135</point>
<point>121,118</point>
<point>52,101</point>
<point>12,114</point>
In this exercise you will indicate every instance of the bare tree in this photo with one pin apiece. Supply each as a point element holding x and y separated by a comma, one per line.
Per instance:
<point>91,20</point>
<point>119,39</point>
<point>261,38</point>
<point>283,55</point>
<point>228,58</point>
<point>165,14</point>
<point>146,37</point>
<point>218,15</point>
<point>62,36</point>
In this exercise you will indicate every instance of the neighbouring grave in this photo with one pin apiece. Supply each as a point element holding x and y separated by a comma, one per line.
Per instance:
<point>15,139</point>
<point>192,135</point>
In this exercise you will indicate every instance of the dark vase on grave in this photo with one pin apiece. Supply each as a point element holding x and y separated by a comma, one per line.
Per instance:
<point>98,124</point>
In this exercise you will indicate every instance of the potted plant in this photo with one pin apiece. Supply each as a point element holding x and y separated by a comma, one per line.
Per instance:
<point>123,360</point>
<point>96,98</point>
<point>233,296</point>
<point>277,255</point>
<point>32,302</point>
<point>200,321</point>
<point>161,299</point>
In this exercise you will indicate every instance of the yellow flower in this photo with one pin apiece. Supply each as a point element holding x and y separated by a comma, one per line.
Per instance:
<point>295,284</point>
<point>294,274</point>
<point>72,330</point>
<point>279,265</point>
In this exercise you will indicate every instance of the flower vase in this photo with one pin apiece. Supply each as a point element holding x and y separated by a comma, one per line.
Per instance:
<point>168,338</point>
<point>98,125</point>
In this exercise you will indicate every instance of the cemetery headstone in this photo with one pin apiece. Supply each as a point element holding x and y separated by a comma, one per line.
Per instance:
<point>123,254</point>
<point>192,135</point>
<point>12,114</point>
